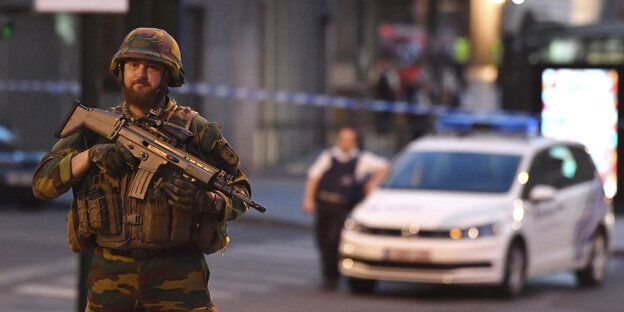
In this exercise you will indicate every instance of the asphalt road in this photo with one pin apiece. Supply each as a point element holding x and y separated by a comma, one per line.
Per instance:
<point>268,267</point>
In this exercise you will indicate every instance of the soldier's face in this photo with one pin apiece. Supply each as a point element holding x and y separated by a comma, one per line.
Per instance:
<point>141,80</point>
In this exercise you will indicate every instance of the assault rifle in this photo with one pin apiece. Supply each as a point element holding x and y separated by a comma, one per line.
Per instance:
<point>153,143</point>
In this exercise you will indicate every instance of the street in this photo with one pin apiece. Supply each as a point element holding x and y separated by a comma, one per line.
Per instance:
<point>269,266</point>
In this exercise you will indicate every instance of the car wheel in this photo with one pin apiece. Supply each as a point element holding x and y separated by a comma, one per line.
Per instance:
<point>361,286</point>
<point>596,270</point>
<point>515,272</point>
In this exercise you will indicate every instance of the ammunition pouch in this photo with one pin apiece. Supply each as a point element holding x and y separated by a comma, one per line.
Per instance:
<point>98,206</point>
<point>212,234</point>
<point>78,242</point>
<point>163,223</point>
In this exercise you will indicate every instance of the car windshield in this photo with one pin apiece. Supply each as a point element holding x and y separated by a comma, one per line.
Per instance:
<point>452,171</point>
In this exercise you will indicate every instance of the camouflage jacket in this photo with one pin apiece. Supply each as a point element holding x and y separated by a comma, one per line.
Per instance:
<point>53,176</point>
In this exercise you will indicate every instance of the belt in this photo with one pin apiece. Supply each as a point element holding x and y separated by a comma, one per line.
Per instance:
<point>332,198</point>
<point>144,254</point>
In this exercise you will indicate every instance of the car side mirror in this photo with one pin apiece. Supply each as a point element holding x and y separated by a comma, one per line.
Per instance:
<point>541,193</point>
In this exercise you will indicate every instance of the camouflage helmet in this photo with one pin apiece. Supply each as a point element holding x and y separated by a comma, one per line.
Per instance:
<point>151,44</point>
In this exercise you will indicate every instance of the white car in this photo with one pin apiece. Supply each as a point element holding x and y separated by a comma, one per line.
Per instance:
<point>478,209</point>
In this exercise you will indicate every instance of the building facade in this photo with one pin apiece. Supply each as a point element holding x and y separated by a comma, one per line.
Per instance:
<point>421,51</point>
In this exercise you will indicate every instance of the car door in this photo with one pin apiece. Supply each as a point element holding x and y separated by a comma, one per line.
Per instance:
<point>545,219</point>
<point>572,194</point>
<point>591,206</point>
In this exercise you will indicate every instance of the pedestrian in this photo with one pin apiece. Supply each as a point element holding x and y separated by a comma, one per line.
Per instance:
<point>147,253</point>
<point>385,85</point>
<point>337,180</point>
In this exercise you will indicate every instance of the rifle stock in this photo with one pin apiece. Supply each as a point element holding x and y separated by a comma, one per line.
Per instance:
<point>102,122</point>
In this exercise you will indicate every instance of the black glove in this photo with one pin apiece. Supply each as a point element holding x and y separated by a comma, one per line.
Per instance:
<point>184,194</point>
<point>181,193</point>
<point>212,203</point>
<point>113,158</point>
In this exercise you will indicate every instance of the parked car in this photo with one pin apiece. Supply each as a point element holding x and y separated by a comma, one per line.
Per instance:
<point>16,169</point>
<point>481,209</point>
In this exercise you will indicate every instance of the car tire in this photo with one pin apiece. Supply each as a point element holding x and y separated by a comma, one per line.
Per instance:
<point>594,273</point>
<point>361,286</point>
<point>515,272</point>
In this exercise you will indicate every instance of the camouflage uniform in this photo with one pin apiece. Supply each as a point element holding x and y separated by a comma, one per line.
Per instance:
<point>174,283</point>
<point>140,260</point>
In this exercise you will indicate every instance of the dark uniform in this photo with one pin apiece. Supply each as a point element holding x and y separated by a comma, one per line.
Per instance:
<point>147,253</point>
<point>336,183</point>
<point>337,192</point>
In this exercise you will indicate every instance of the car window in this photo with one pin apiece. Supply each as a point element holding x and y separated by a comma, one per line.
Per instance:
<point>451,171</point>
<point>565,166</point>
<point>555,166</point>
<point>585,165</point>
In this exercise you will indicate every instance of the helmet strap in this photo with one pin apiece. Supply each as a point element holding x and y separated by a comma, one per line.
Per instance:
<point>120,75</point>
<point>163,88</point>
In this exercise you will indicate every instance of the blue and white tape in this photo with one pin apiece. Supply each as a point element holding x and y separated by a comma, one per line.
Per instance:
<point>56,87</point>
<point>223,91</point>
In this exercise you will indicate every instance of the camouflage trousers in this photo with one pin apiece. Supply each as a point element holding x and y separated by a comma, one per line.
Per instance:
<point>177,282</point>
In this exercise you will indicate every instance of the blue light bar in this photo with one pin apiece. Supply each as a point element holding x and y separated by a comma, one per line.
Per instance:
<point>495,122</point>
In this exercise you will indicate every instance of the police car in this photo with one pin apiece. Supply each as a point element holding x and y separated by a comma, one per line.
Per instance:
<point>473,208</point>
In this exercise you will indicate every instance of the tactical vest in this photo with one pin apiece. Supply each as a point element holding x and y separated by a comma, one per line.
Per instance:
<point>104,214</point>
<point>339,186</point>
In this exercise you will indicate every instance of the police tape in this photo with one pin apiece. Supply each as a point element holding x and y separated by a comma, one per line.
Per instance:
<point>223,91</point>
<point>308,99</point>
<point>72,87</point>
<point>55,88</point>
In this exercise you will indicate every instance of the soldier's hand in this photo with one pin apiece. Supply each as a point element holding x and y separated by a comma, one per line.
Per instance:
<point>184,194</point>
<point>181,193</point>
<point>113,158</point>
<point>212,203</point>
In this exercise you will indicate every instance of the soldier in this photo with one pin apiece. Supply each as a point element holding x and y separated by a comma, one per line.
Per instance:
<point>147,253</point>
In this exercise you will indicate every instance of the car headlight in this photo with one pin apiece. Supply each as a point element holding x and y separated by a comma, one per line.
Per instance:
<point>475,231</point>
<point>352,225</point>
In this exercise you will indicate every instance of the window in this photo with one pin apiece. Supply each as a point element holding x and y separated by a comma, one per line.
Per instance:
<point>585,165</point>
<point>454,171</point>
<point>555,166</point>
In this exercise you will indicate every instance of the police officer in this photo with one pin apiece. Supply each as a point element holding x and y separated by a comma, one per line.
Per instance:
<point>147,253</point>
<point>337,180</point>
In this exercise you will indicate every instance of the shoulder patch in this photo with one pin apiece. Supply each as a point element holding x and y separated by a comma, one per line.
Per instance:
<point>226,152</point>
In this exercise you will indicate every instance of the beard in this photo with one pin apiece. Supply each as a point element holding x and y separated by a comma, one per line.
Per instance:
<point>141,100</point>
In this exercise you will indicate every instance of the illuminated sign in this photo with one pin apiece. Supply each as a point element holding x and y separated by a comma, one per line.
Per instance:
<point>582,105</point>
<point>81,6</point>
